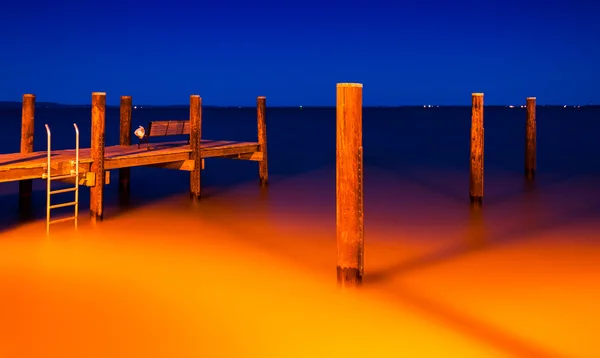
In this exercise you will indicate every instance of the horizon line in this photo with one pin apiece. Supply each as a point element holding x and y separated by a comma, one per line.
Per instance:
<point>47,103</point>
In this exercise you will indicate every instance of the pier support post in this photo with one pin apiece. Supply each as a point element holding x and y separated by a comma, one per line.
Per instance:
<point>477,135</point>
<point>261,114</point>
<point>97,154</point>
<point>530,140</point>
<point>125,140</point>
<point>27,129</point>
<point>195,146</point>
<point>349,185</point>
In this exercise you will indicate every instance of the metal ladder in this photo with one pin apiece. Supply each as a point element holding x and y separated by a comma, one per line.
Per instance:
<point>74,173</point>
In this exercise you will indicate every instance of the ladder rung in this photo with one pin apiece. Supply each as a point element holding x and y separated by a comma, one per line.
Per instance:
<point>66,176</point>
<point>62,205</point>
<point>62,220</point>
<point>59,191</point>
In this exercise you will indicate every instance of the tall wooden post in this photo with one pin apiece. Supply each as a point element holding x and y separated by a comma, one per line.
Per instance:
<point>476,182</point>
<point>97,153</point>
<point>349,185</point>
<point>27,127</point>
<point>261,114</point>
<point>125,140</point>
<point>530,140</point>
<point>195,145</point>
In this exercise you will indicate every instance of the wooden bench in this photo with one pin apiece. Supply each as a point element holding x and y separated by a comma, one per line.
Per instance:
<point>166,128</point>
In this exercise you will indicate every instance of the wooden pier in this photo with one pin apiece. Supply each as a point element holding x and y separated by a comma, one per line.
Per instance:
<point>97,162</point>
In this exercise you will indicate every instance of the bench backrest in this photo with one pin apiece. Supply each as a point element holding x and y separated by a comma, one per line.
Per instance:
<point>166,128</point>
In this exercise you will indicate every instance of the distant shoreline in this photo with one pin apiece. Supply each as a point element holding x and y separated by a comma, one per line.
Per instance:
<point>16,104</point>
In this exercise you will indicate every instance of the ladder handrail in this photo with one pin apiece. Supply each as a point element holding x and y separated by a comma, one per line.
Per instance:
<point>73,173</point>
<point>48,187</point>
<point>76,173</point>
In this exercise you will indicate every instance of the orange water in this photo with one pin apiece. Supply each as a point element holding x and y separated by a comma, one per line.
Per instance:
<point>252,274</point>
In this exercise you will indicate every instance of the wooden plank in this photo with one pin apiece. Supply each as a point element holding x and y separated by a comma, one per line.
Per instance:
<point>213,144</point>
<point>87,179</point>
<point>228,151</point>
<point>168,128</point>
<point>17,166</point>
<point>254,156</point>
<point>186,165</point>
<point>15,174</point>
<point>134,161</point>
<point>118,152</point>
<point>37,171</point>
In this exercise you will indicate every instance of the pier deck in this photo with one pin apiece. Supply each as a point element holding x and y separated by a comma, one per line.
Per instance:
<point>175,155</point>
<point>92,166</point>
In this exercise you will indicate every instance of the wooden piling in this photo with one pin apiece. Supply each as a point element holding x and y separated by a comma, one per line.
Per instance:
<point>27,129</point>
<point>97,154</point>
<point>195,139</point>
<point>125,140</point>
<point>530,140</point>
<point>349,185</point>
<point>477,135</point>
<point>261,114</point>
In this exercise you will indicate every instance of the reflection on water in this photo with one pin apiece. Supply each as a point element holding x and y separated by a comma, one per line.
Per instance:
<point>251,272</point>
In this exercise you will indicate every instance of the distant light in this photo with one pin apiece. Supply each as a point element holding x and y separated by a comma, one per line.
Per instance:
<point>511,106</point>
<point>134,107</point>
<point>565,106</point>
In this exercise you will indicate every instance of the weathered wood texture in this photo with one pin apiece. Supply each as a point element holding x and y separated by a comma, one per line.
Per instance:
<point>530,139</point>
<point>125,140</point>
<point>477,135</point>
<point>97,155</point>
<point>195,145</point>
<point>16,166</point>
<point>27,130</point>
<point>261,114</point>
<point>349,186</point>
<point>168,128</point>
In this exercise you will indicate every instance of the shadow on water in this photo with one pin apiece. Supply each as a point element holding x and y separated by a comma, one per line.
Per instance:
<point>501,340</point>
<point>480,235</point>
<point>489,233</point>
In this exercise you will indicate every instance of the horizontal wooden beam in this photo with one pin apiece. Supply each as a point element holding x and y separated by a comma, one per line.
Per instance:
<point>255,156</point>
<point>125,162</point>
<point>38,171</point>
<point>15,174</point>
<point>87,179</point>
<point>186,165</point>
<point>224,152</point>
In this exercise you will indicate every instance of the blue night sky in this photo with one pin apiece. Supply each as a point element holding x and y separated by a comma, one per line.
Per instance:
<point>229,52</point>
